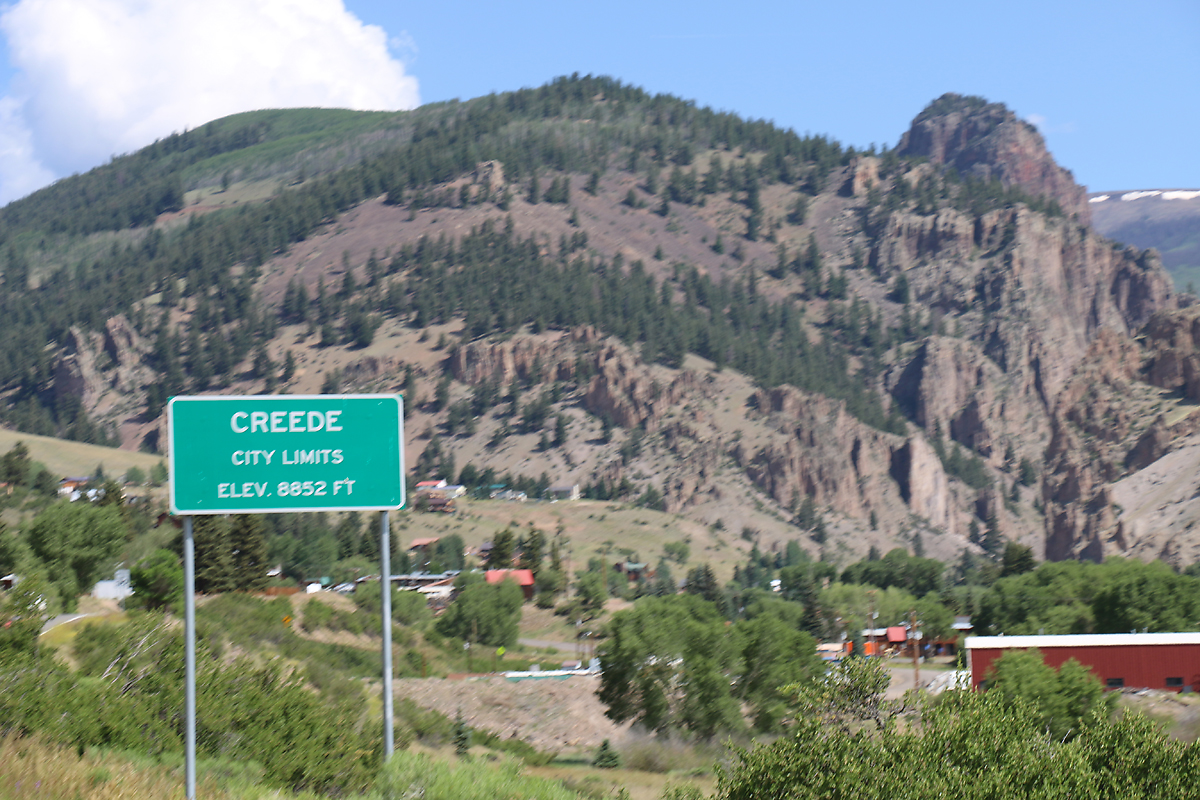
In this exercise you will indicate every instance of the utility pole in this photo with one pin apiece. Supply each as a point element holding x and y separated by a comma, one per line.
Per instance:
<point>915,641</point>
<point>871,622</point>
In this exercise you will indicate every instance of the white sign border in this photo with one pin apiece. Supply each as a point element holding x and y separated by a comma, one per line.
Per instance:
<point>399,398</point>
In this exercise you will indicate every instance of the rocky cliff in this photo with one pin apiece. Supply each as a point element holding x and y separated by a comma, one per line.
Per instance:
<point>986,140</point>
<point>1029,295</point>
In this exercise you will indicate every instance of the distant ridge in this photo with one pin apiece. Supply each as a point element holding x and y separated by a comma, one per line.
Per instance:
<point>1166,219</point>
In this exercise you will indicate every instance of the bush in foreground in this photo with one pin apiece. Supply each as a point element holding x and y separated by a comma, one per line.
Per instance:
<point>969,745</point>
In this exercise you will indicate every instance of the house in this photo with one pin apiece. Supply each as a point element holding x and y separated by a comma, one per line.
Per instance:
<point>417,580</point>
<point>834,651</point>
<point>564,492</point>
<point>421,551</point>
<point>9,581</point>
<point>962,626</point>
<point>523,577</point>
<point>1168,661</point>
<point>442,505</point>
<point>117,589</point>
<point>429,486</point>
<point>72,487</point>
<point>880,641</point>
<point>634,571</point>
<point>439,593</point>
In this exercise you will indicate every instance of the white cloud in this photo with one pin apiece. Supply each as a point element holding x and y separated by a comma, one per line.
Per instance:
<point>20,171</point>
<point>1045,126</point>
<point>102,77</point>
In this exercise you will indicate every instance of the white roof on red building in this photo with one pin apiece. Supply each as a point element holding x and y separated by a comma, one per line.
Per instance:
<point>1079,640</point>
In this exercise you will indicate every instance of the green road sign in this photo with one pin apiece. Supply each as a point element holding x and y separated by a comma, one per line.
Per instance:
<point>282,453</point>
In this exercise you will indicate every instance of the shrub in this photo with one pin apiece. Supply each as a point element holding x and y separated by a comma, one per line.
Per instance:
<point>606,757</point>
<point>316,615</point>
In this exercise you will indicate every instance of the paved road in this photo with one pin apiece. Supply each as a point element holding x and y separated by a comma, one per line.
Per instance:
<point>562,647</point>
<point>902,680</point>
<point>62,619</point>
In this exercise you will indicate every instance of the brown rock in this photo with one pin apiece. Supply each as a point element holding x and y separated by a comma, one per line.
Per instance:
<point>987,141</point>
<point>825,453</point>
<point>922,481</point>
<point>864,173</point>
<point>1152,445</point>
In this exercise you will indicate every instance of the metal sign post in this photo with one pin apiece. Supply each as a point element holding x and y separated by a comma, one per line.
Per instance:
<point>189,628</point>
<point>385,588</point>
<point>270,454</point>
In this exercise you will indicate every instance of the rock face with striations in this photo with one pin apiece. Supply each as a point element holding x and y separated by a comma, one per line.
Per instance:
<point>1034,293</point>
<point>987,141</point>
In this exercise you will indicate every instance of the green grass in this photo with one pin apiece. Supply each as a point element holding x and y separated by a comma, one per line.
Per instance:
<point>67,458</point>
<point>314,131</point>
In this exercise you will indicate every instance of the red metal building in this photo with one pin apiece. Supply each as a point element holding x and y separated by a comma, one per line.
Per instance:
<point>1121,660</point>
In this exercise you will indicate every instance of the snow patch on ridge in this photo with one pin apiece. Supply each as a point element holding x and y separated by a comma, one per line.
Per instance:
<point>1161,194</point>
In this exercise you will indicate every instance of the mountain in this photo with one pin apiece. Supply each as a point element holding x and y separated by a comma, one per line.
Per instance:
<point>768,334</point>
<point>1165,219</point>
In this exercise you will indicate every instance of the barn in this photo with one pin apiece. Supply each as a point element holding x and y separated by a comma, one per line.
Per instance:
<point>1121,660</point>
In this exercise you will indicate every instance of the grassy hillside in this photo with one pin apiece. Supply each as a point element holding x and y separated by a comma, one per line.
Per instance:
<point>76,459</point>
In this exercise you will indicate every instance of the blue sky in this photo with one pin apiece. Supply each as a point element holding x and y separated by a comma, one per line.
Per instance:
<point>1112,86</point>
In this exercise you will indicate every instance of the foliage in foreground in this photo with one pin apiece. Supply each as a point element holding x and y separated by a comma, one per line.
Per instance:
<point>30,767</point>
<point>671,662</point>
<point>969,745</point>
<point>1066,699</point>
<point>129,695</point>
<point>408,775</point>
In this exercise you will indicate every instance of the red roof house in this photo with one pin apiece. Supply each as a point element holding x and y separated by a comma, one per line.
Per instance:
<point>523,577</point>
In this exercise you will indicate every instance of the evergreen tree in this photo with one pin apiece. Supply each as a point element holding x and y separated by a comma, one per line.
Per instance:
<point>214,556</point>
<point>462,736</point>
<point>532,550</point>
<point>701,581</point>
<point>503,546</point>
<point>289,367</point>
<point>1017,560</point>
<point>248,551</point>
<point>993,540</point>
<point>664,582</point>
<point>15,465</point>
<point>606,757</point>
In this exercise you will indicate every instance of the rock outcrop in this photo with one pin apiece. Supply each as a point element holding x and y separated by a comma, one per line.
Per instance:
<point>987,141</point>
<point>1173,345</point>
<point>547,356</point>
<point>951,387</point>
<point>825,453</point>
<point>1032,295</point>
<point>95,364</point>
